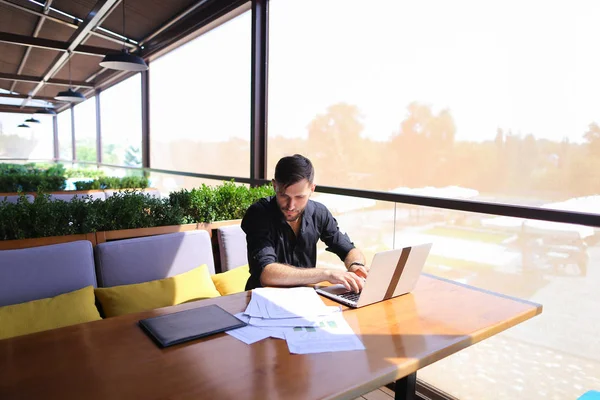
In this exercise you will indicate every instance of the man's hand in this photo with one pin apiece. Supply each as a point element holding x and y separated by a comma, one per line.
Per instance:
<point>350,280</point>
<point>360,270</point>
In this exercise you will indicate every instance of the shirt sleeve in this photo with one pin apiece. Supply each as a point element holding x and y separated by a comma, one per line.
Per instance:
<point>259,240</point>
<point>337,242</point>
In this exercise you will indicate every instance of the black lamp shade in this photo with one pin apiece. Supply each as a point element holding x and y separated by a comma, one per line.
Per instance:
<point>124,61</point>
<point>22,126</point>
<point>33,120</point>
<point>46,111</point>
<point>70,96</point>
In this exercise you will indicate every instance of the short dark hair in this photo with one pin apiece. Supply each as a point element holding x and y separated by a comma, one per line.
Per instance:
<point>292,169</point>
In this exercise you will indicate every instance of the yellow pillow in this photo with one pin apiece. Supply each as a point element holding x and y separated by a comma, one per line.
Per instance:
<point>50,313</point>
<point>233,281</point>
<point>192,285</point>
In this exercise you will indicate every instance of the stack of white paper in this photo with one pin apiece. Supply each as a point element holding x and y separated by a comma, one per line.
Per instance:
<point>299,316</point>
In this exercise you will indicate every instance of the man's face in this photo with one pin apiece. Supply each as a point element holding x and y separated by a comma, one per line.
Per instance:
<point>293,199</point>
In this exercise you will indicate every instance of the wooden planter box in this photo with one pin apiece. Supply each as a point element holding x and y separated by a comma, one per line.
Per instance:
<point>44,241</point>
<point>107,236</point>
<point>75,192</point>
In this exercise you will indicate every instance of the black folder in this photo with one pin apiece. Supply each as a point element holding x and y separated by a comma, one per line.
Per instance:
<point>167,330</point>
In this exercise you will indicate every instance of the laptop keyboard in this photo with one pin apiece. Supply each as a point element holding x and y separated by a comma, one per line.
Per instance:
<point>350,296</point>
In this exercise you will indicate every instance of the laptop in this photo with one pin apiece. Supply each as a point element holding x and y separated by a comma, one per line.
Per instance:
<point>392,273</point>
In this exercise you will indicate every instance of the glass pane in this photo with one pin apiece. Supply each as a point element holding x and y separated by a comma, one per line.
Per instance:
<point>200,103</point>
<point>65,139</point>
<point>34,142</point>
<point>368,223</point>
<point>555,355</point>
<point>85,130</point>
<point>121,115</point>
<point>409,95</point>
<point>167,183</point>
<point>121,172</point>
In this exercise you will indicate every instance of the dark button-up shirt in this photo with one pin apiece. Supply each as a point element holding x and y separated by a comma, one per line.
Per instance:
<point>270,239</point>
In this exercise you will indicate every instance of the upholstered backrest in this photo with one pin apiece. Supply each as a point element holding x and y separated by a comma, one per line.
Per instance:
<point>123,262</point>
<point>46,271</point>
<point>232,247</point>
<point>150,192</point>
<point>15,198</point>
<point>69,196</point>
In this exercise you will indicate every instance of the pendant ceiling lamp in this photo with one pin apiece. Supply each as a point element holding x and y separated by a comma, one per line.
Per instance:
<point>46,111</point>
<point>22,126</point>
<point>32,120</point>
<point>123,60</point>
<point>70,95</point>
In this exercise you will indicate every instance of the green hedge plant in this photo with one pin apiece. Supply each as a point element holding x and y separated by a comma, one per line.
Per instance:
<point>128,209</point>
<point>106,182</point>
<point>220,203</point>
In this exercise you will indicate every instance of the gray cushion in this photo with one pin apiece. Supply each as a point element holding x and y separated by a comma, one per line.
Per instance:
<point>45,271</point>
<point>123,262</point>
<point>69,196</point>
<point>13,199</point>
<point>232,247</point>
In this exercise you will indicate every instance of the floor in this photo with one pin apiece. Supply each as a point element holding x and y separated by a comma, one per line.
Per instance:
<point>382,393</point>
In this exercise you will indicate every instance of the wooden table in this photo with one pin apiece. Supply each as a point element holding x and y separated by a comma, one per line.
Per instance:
<point>114,359</point>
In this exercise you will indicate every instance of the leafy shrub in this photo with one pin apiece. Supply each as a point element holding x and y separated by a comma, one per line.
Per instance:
<point>31,182</point>
<point>124,210</point>
<point>107,182</point>
<point>28,178</point>
<point>223,202</point>
<point>84,173</point>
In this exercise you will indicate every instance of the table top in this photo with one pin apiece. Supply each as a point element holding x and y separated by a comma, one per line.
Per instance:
<point>115,359</point>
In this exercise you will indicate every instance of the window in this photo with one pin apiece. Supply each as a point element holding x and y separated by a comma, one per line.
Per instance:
<point>407,95</point>
<point>34,142</point>
<point>469,100</point>
<point>121,117</point>
<point>85,130</point>
<point>200,103</point>
<point>65,138</point>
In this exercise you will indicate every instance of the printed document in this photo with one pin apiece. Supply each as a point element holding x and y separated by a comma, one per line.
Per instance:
<point>299,316</point>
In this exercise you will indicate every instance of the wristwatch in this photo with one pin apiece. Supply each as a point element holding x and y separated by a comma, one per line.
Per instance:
<point>356,263</point>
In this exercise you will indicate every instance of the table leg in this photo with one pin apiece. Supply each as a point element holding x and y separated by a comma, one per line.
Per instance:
<point>406,388</point>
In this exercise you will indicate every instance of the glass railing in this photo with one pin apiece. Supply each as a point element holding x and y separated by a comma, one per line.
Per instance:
<point>556,354</point>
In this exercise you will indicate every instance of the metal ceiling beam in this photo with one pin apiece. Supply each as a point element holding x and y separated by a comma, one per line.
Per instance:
<point>191,26</point>
<point>22,40</point>
<point>69,24</point>
<point>172,21</point>
<point>17,109</point>
<point>157,32</point>
<point>39,81</point>
<point>24,96</point>
<point>101,8</point>
<point>36,31</point>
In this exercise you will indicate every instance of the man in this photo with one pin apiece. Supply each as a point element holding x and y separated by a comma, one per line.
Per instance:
<point>282,233</point>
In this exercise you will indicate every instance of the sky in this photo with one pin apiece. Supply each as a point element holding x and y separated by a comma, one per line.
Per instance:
<point>528,66</point>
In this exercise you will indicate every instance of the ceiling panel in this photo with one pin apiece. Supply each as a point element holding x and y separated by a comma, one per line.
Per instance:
<point>55,31</point>
<point>99,42</point>
<point>82,66</point>
<point>16,21</point>
<point>77,8</point>
<point>39,61</point>
<point>24,87</point>
<point>10,57</point>
<point>143,17</point>
<point>5,84</point>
